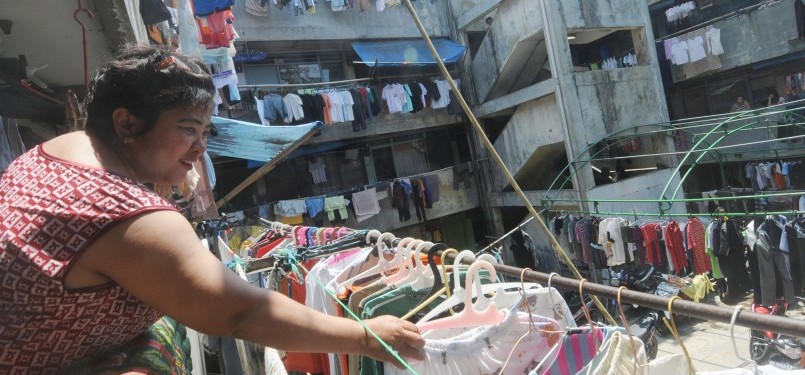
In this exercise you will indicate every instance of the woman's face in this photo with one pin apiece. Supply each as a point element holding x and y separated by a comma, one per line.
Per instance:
<point>166,153</point>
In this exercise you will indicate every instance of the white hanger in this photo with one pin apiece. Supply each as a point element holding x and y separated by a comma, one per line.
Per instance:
<point>410,265</point>
<point>735,313</point>
<point>424,275</point>
<point>402,252</point>
<point>502,296</point>
<point>470,317</point>
<point>382,265</point>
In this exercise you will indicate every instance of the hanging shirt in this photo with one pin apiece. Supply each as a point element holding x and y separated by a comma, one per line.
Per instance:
<point>293,107</point>
<point>680,53</point>
<point>316,170</point>
<point>696,49</point>
<point>714,41</point>
<point>444,95</point>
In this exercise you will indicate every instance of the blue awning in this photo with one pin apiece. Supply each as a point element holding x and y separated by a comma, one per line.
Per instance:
<point>407,52</point>
<point>243,140</point>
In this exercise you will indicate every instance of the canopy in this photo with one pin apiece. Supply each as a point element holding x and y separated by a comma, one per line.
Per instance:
<point>407,52</point>
<point>243,140</point>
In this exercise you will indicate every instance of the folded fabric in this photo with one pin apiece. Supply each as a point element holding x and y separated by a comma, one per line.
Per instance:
<point>365,204</point>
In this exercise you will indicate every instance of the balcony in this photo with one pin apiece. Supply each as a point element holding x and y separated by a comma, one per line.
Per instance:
<point>350,24</point>
<point>618,99</point>
<point>512,52</point>
<point>387,123</point>
<point>586,14</point>
<point>530,143</point>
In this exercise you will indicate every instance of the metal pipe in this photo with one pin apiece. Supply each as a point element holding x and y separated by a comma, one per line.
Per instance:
<point>752,320</point>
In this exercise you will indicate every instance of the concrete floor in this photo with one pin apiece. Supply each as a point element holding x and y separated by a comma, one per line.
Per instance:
<point>709,343</point>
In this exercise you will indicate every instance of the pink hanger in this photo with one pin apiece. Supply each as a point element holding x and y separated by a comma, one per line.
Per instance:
<point>327,233</point>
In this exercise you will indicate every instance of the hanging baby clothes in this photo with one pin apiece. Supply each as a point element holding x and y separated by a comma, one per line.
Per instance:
<point>316,169</point>
<point>333,204</point>
<point>485,349</point>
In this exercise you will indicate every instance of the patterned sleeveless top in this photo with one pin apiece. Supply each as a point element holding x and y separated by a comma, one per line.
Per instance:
<point>50,211</point>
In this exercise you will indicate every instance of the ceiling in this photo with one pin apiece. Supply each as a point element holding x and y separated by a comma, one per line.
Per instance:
<point>588,36</point>
<point>45,32</point>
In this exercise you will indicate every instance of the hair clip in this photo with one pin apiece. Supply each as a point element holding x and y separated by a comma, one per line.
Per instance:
<point>165,63</point>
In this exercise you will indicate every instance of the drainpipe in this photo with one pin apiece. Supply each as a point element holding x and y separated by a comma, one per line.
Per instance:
<point>581,193</point>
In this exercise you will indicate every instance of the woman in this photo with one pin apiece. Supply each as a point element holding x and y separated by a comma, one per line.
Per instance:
<point>90,257</point>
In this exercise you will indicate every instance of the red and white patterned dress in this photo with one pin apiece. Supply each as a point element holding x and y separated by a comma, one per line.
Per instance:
<point>50,211</point>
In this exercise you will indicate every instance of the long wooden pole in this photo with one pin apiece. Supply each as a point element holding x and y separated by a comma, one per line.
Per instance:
<point>495,156</point>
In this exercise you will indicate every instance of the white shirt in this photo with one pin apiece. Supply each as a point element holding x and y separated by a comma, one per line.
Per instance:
<point>696,49</point>
<point>444,95</point>
<point>293,105</point>
<point>680,53</point>
<point>714,41</point>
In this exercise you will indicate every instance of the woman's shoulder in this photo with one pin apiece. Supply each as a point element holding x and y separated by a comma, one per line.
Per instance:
<point>74,148</point>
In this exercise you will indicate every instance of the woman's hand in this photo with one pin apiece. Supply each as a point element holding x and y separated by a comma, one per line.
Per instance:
<point>401,335</point>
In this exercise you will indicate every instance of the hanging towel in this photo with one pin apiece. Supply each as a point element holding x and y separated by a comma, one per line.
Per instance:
<point>365,204</point>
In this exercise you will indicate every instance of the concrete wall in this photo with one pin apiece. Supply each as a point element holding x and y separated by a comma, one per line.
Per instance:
<point>515,21</point>
<point>325,24</point>
<point>588,14</point>
<point>617,99</point>
<point>647,186</point>
<point>759,35</point>
<point>535,124</point>
<point>450,202</point>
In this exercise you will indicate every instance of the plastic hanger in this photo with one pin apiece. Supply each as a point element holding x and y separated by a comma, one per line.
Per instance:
<point>424,276</point>
<point>402,251</point>
<point>439,287</point>
<point>458,290</point>
<point>382,265</point>
<point>411,264</point>
<point>735,313</point>
<point>502,296</point>
<point>470,317</point>
<point>628,331</point>
<point>672,327</point>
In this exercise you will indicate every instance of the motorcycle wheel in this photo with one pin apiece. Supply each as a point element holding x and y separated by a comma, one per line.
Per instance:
<point>651,347</point>
<point>759,348</point>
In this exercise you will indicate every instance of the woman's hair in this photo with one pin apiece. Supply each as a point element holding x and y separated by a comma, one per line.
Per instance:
<point>147,81</point>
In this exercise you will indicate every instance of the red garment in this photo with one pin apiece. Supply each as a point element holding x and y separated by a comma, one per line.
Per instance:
<point>675,245</point>
<point>652,240</point>
<point>216,30</point>
<point>261,252</point>
<point>51,211</point>
<point>314,363</point>
<point>695,232</point>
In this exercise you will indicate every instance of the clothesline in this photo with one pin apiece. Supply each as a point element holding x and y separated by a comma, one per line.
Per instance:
<point>356,189</point>
<point>346,81</point>
<point>714,20</point>
<point>671,214</point>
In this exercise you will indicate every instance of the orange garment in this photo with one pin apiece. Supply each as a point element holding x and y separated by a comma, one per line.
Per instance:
<point>327,119</point>
<point>779,179</point>
<point>314,363</point>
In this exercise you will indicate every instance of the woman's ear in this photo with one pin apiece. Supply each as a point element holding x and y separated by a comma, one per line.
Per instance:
<point>127,126</point>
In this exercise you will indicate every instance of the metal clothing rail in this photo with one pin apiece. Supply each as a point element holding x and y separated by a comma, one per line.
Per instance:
<point>671,214</point>
<point>748,319</point>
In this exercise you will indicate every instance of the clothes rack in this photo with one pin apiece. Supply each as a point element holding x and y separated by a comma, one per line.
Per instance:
<point>748,319</point>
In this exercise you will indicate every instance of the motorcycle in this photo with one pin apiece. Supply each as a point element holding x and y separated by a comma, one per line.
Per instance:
<point>767,347</point>
<point>647,322</point>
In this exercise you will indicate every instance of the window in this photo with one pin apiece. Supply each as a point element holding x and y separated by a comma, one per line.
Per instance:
<point>294,69</point>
